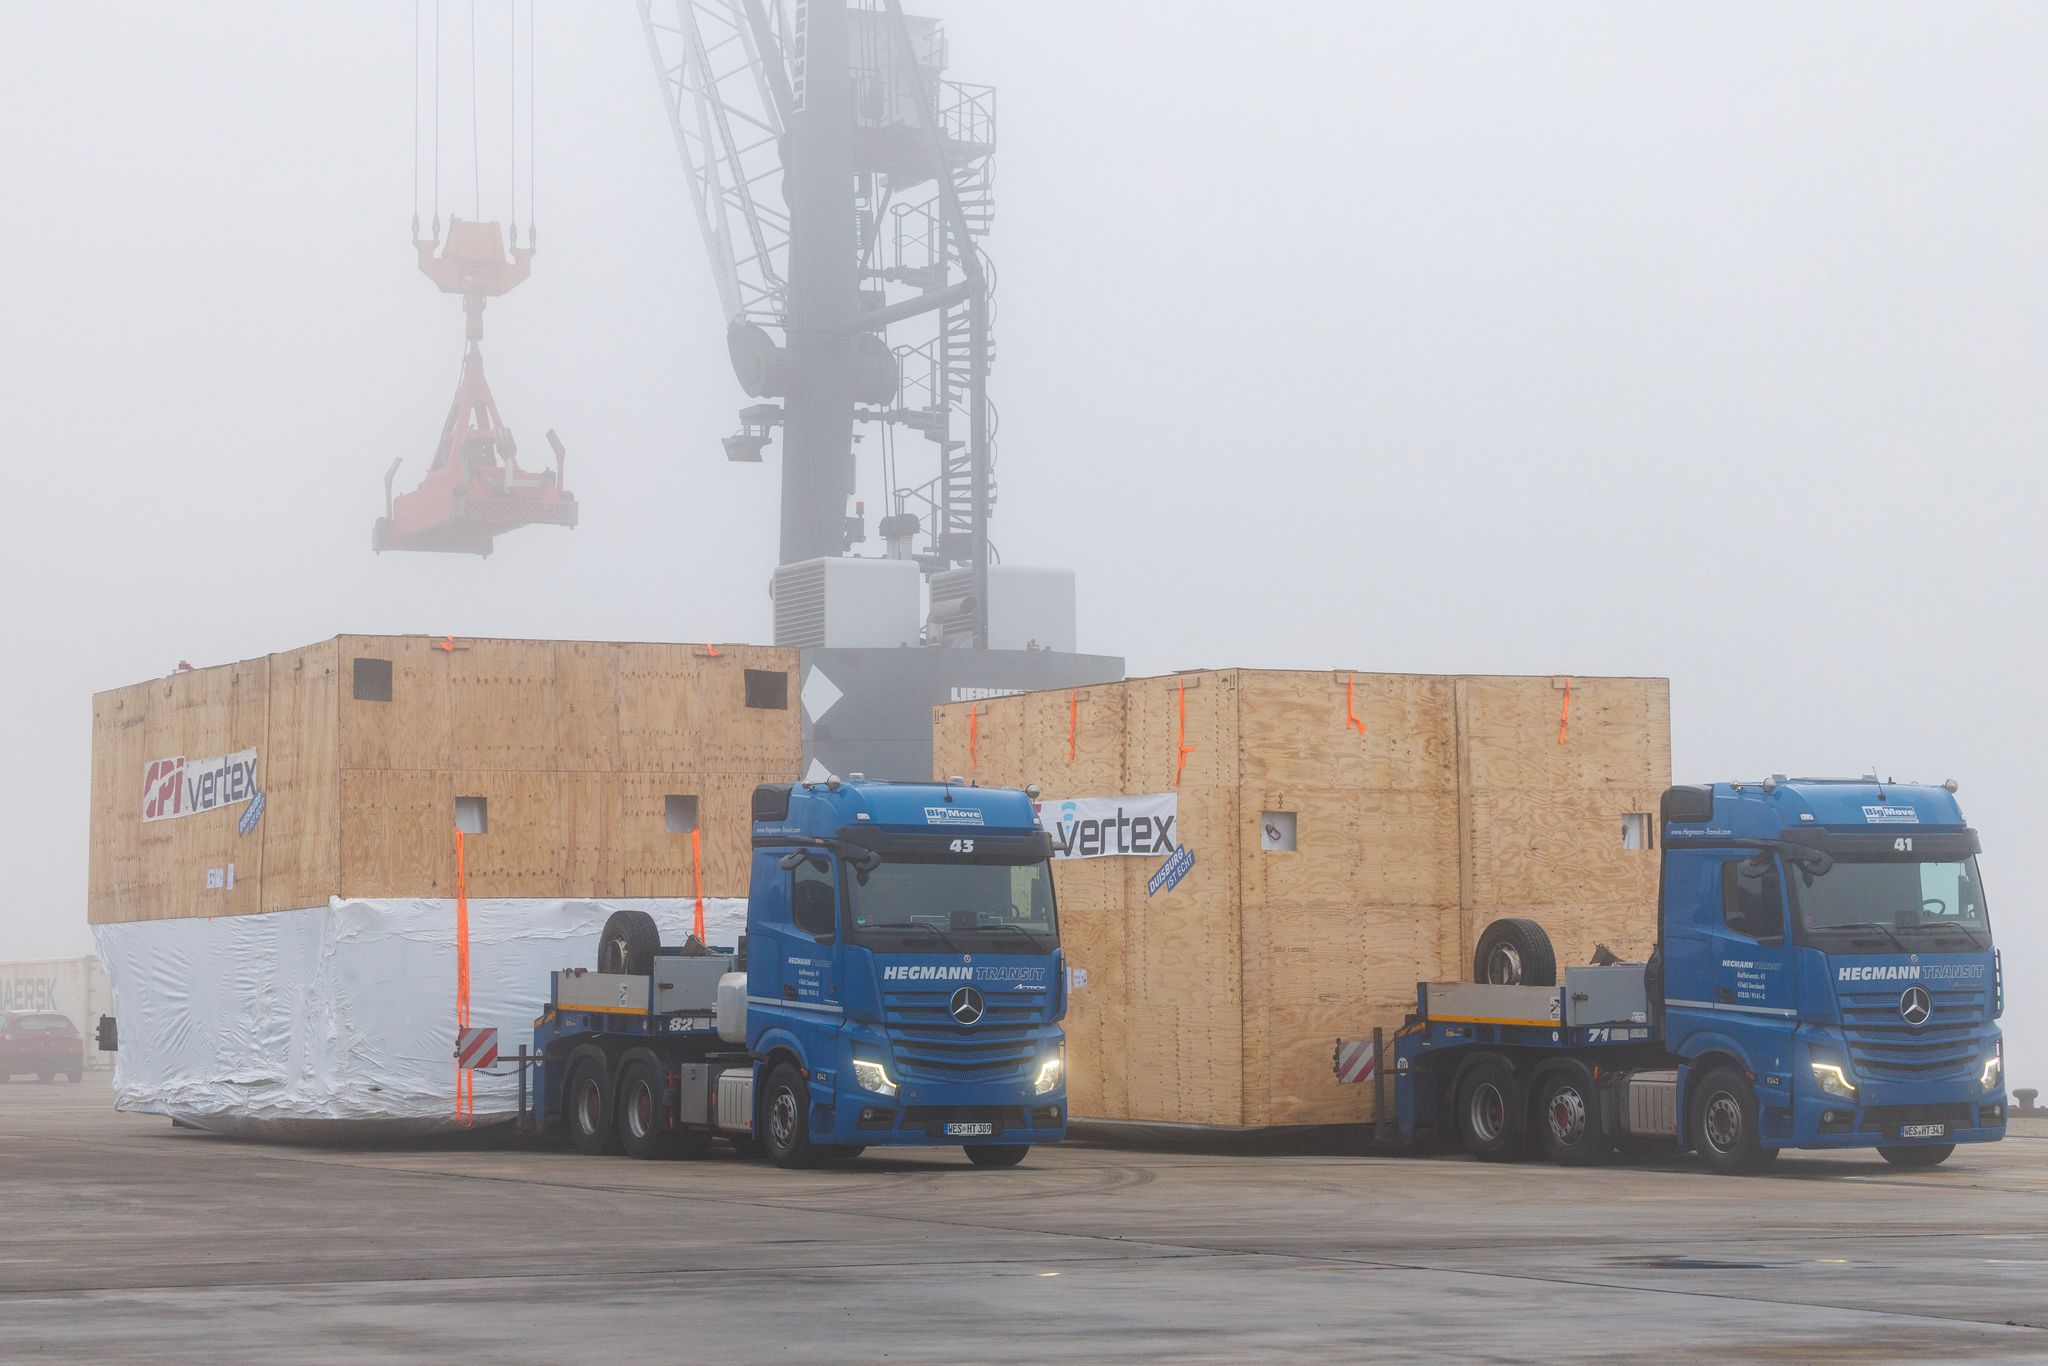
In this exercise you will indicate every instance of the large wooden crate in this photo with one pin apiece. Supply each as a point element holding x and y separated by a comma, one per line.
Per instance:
<point>364,743</point>
<point>1424,807</point>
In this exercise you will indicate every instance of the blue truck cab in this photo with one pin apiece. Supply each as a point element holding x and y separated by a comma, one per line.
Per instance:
<point>1824,977</point>
<point>904,978</point>
<point>900,983</point>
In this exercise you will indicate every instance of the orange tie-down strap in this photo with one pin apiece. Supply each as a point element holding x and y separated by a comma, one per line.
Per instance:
<point>973,734</point>
<point>1564,718</point>
<point>465,1082</point>
<point>697,866</point>
<point>1182,749</point>
<point>1351,721</point>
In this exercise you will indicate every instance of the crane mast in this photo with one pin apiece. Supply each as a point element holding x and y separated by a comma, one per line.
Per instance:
<point>841,185</point>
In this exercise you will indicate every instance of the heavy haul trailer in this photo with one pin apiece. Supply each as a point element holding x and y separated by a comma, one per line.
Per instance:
<point>1824,978</point>
<point>900,983</point>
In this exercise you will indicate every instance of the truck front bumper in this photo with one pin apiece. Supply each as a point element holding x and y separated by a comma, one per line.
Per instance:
<point>1831,1122</point>
<point>939,1119</point>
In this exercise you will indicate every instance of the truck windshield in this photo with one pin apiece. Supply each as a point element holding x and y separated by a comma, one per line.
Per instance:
<point>954,904</point>
<point>1922,907</point>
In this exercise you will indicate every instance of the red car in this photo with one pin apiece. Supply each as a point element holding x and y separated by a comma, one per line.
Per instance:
<point>42,1042</point>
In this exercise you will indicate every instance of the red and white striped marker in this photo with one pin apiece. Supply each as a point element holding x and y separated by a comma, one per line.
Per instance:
<point>1355,1059</point>
<point>476,1048</point>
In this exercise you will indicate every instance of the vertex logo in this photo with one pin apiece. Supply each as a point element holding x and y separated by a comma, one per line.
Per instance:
<point>927,972</point>
<point>1894,972</point>
<point>163,789</point>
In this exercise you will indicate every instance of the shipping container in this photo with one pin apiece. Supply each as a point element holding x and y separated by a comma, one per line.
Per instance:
<point>1351,835</point>
<point>74,987</point>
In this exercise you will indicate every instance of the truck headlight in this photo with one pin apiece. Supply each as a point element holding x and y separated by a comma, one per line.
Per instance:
<point>872,1076</point>
<point>1830,1077</point>
<point>1994,1068</point>
<point>1049,1074</point>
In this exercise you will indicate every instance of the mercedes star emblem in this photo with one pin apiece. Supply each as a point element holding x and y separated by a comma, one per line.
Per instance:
<point>1916,1006</point>
<point>967,1005</point>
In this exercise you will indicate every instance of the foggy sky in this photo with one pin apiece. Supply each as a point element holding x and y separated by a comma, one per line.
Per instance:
<point>1702,342</point>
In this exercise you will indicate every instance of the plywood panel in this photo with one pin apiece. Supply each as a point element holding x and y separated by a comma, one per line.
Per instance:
<point>1559,849</point>
<point>1374,847</point>
<point>503,704</point>
<point>1295,736</point>
<point>301,824</point>
<point>411,731</point>
<point>1197,711</point>
<point>397,834</point>
<point>1184,1010</point>
<point>654,861</point>
<point>586,705</point>
<point>1098,1044</point>
<point>683,708</point>
<point>1618,733</point>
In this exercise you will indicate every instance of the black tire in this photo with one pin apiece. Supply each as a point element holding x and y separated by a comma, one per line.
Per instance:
<point>785,1127</point>
<point>1722,1119</point>
<point>1515,953</point>
<point>627,944</point>
<point>587,1106</point>
<point>44,1077</point>
<point>997,1154</point>
<point>1919,1157</point>
<point>74,1077</point>
<point>1566,1120</point>
<point>646,1128</point>
<point>1488,1114</point>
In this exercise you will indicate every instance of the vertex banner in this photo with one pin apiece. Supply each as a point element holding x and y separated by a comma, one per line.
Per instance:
<point>1111,827</point>
<point>185,787</point>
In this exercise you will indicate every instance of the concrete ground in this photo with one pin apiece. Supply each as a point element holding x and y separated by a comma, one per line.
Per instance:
<point>127,1238</point>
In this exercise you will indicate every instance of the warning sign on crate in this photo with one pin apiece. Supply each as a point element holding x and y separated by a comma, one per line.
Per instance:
<point>476,1048</point>
<point>1355,1060</point>
<point>1170,873</point>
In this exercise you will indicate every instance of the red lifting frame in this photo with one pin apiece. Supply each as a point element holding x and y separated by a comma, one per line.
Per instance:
<point>475,488</point>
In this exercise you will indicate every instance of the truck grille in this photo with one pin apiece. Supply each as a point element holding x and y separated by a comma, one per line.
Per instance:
<point>1884,1048</point>
<point>930,1044</point>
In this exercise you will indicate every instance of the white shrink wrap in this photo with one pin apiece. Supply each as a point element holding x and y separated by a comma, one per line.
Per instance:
<point>340,1019</point>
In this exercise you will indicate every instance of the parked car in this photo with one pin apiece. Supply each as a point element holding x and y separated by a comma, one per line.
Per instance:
<point>41,1042</point>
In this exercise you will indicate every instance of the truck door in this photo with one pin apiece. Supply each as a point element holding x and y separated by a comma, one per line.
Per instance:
<point>810,958</point>
<point>1751,967</point>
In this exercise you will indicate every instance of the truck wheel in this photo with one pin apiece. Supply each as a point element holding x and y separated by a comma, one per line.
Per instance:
<point>74,1077</point>
<point>646,1130</point>
<point>1515,953</point>
<point>1723,1120</point>
<point>587,1098</point>
<point>786,1119</point>
<point>628,943</point>
<point>1567,1121</point>
<point>1489,1121</point>
<point>1918,1158</point>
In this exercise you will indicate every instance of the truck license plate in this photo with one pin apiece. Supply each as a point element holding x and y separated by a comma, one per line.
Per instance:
<point>1923,1131</point>
<point>969,1130</point>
